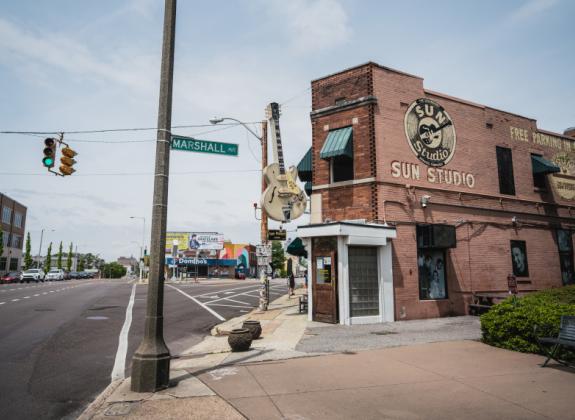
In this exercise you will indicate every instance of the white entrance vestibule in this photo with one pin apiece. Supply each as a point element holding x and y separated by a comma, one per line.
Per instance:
<point>362,285</point>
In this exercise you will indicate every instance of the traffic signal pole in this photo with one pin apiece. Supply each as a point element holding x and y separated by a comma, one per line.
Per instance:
<point>151,362</point>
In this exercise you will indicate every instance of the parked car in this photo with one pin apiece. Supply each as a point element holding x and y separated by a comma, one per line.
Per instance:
<point>33,274</point>
<point>75,275</point>
<point>55,274</point>
<point>11,277</point>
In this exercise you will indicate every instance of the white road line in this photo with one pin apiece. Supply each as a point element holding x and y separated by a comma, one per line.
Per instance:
<point>214,313</point>
<point>229,306</point>
<point>15,300</point>
<point>239,301</point>
<point>223,291</point>
<point>26,297</point>
<point>118,372</point>
<point>37,294</point>
<point>2,303</point>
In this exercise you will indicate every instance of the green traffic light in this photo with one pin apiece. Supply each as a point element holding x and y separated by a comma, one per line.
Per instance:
<point>48,162</point>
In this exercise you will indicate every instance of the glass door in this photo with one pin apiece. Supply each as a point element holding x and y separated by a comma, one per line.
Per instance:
<point>363,281</point>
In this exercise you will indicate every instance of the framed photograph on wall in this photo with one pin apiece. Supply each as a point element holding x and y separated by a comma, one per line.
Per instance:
<point>519,259</point>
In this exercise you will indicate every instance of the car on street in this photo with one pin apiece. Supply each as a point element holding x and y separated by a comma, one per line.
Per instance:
<point>75,275</point>
<point>11,277</point>
<point>55,274</point>
<point>33,274</point>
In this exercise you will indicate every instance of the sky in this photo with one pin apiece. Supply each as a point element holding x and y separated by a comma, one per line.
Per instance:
<point>70,65</point>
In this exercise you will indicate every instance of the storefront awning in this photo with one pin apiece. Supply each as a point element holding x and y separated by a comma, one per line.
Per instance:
<point>296,248</point>
<point>338,143</point>
<point>307,188</point>
<point>304,167</point>
<point>543,166</point>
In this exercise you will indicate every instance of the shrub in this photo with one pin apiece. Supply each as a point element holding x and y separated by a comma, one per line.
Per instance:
<point>511,324</point>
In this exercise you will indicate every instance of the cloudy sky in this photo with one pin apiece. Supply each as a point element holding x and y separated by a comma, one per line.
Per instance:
<point>69,65</point>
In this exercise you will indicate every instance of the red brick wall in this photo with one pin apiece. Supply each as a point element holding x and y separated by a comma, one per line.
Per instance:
<point>481,261</point>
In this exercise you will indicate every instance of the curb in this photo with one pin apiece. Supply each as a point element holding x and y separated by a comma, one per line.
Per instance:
<point>95,405</point>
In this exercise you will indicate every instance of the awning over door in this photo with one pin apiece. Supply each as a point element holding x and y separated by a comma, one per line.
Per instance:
<point>304,167</point>
<point>543,166</point>
<point>296,248</point>
<point>338,143</point>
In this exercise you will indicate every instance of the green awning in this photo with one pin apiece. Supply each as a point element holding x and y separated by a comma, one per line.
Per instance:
<point>296,248</point>
<point>307,188</point>
<point>338,143</point>
<point>543,166</point>
<point>304,167</point>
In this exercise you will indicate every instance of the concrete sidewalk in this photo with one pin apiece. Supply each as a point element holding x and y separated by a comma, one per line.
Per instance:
<point>303,370</point>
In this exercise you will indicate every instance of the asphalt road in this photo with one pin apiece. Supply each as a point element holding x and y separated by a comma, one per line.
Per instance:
<point>59,341</point>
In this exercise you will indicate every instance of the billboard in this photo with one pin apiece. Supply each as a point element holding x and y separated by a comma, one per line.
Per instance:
<point>194,240</point>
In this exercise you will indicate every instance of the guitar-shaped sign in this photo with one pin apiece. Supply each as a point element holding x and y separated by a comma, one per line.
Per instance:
<point>282,200</point>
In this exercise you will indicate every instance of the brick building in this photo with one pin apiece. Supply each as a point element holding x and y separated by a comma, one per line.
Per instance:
<point>419,200</point>
<point>13,224</point>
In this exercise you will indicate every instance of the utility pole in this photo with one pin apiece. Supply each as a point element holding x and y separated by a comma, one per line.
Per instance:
<point>151,362</point>
<point>264,142</point>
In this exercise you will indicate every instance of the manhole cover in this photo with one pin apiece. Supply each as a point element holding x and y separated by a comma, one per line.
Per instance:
<point>97,318</point>
<point>383,332</point>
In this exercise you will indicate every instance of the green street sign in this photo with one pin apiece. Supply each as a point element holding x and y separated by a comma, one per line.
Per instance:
<point>189,144</point>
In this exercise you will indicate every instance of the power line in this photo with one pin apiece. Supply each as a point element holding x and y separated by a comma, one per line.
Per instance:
<point>113,130</point>
<point>133,173</point>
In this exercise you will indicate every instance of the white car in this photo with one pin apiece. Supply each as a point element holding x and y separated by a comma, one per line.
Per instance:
<point>55,274</point>
<point>33,274</point>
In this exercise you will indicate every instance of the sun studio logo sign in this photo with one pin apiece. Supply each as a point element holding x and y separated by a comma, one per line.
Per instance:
<point>430,132</point>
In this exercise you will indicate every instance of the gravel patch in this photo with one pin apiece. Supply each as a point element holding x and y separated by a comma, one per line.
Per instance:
<point>339,338</point>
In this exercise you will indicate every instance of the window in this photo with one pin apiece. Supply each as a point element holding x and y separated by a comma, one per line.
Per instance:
<point>3,264</point>
<point>16,241</point>
<point>6,215</point>
<point>5,238</point>
<point>538,177</point>
<point>18,219</point>
<point>505,171</point>
<point>13,264</point>
<point>519,259</point>
<point>565,246</point>
<point>341,169</point>
<point>431,262</point>
<point>363,281</point>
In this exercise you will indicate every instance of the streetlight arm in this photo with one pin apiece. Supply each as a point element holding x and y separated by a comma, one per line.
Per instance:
<point>219,120</point>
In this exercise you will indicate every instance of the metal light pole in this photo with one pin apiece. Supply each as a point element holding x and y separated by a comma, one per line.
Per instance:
<point>40,247</point>
<point>264,219</point>
<point>151,362</point>
<point>140,265</point>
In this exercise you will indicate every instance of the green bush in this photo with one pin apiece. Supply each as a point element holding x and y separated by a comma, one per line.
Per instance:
<point>516,323</point>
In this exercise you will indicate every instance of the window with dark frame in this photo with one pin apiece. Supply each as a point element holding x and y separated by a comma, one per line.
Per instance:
<point>3,263</point>
<point>13,264</point>
<point>505,170</point>
<point>539,179</point>
<point>431,262</point>
<point>519,258</point>
<point>341,168</point>
<point>565,247</point>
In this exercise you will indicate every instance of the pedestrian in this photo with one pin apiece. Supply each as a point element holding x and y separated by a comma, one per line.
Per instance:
<point>291,284</point>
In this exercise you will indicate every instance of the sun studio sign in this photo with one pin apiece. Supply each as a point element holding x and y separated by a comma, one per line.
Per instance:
<point>430,132</point>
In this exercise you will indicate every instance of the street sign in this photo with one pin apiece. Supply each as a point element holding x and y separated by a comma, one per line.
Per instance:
<point>189,144</point>
<point>264,250</point>
<point>264,260</point>
<point>276,235</point>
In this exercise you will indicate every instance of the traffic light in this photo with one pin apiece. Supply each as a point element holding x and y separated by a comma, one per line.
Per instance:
<point>67,161</point>
<point>49,153</point>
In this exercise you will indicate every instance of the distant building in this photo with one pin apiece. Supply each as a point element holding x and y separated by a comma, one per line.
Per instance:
<point>13,224</point>
<point>129,264</point>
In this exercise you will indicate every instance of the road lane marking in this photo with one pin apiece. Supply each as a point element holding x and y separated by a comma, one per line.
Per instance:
<point>2,303</point>
<point>210,310</point>
<point>118,372</point>
<point>15,300</point>
<point>240,294</point>
<point>26,297</point>
<point>239,301</point>
<point>225,290</point>
<point>229,306</point>
<point>37,294</point>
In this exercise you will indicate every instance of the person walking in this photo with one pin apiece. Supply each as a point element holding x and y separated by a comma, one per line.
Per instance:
<point>291,284</point>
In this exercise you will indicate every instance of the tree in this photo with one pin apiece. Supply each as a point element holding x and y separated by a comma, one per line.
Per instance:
<point>69,259</point>
<point>28,255</point>
<point>278,256</point>
<point>113,270</point>
<point>81,263</point>
<point>48,262</point>
<point>59,260</point>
